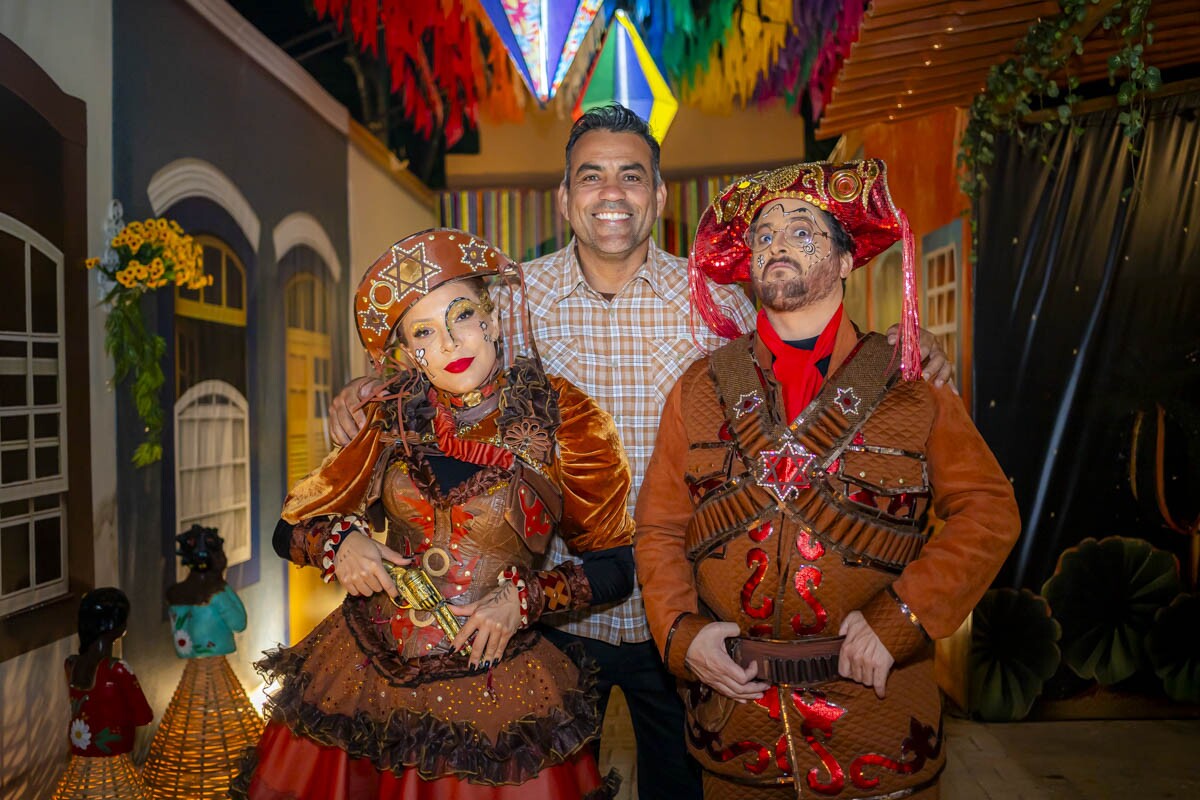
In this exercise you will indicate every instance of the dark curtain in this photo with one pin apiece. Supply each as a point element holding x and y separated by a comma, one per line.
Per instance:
<point>1087,334</point>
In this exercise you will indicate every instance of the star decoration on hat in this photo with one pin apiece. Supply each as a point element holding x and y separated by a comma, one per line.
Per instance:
<point>373,320</point>
<point>847,401</point>
<point>747,403</point>
<point>409,270</point>
<point>474,254</point>
<point>784,472</point>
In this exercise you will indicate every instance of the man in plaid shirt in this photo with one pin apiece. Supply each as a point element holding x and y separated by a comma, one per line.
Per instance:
<point>610,312</point>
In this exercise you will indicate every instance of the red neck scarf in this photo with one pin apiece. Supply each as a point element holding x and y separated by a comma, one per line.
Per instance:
<point>475,452</point>
<point>796,369</point>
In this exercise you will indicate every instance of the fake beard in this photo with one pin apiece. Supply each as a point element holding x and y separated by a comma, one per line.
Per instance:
<point>801,288</point>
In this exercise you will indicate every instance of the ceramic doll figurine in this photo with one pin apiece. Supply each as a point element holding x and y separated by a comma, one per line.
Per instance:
<point>107,706</point>
<point>210,721</point>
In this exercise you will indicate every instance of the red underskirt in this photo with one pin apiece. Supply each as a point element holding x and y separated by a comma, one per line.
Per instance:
<point>291,767</point>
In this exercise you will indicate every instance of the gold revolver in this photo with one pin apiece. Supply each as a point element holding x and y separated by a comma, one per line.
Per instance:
<point>418,593</point>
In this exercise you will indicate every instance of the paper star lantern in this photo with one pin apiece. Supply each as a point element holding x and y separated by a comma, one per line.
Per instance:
<point>625,73</point>
<point>542,37</point>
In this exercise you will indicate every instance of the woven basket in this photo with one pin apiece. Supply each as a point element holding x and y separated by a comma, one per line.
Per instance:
<point>101,778</point>
<point>204,732</point>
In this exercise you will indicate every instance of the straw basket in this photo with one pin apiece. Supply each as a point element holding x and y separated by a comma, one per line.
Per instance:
<point>203,733</point>
<point>101,778</point>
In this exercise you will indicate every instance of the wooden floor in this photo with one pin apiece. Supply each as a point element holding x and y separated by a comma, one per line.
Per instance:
<point>1085,760</point>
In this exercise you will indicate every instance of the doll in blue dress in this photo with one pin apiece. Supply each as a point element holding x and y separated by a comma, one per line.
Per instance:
<point>210,721</point>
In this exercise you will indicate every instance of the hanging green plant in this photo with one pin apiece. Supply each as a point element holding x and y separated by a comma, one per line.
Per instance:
<point>1174,648</point>
<point>1014,650</point>
<point>144,257</point>
<point>1033,78</point>
<point>1105,595</point>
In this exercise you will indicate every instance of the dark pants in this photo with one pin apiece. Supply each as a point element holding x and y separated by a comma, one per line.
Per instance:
<point>665,770</point>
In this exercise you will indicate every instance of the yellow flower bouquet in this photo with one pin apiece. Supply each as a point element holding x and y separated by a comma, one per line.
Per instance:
<point>143,257</point>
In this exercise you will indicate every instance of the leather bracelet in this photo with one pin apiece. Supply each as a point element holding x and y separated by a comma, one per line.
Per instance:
<point>338,531</point>
<point>511,575</point>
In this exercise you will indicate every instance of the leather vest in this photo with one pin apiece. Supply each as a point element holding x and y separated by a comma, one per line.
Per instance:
<point>796,525</point>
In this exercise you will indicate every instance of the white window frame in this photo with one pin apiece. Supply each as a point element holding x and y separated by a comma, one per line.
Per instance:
<point>213,400</point>
<point>33,486</point>
<point>932,292</point>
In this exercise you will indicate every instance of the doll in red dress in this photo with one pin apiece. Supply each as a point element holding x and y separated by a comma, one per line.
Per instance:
<point>107,706</point>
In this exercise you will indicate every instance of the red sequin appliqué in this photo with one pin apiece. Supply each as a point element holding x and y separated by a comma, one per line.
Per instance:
<point>921,744</point>
<point>809,548</point>
<point>808,574</point>
<point>819,715</point>
<point>758,559</point>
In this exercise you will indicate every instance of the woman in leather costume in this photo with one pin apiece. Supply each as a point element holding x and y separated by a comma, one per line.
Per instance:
<point>468,464</point>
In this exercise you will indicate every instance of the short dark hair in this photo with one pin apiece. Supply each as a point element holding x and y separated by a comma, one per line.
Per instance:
<point>838,237</point>
<point>102,611</point>
<point>614,118</point>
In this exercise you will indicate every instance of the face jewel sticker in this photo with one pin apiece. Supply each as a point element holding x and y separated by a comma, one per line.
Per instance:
<point>373,320</point>
<point>784,472</point>
<point>847,401</point>
<point>747,403</point>
<point>474,254</point>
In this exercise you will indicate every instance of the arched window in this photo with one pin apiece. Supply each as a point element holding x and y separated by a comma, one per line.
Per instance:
<point>212,475</point>
<point>210,323</point>
<point>212,464</point>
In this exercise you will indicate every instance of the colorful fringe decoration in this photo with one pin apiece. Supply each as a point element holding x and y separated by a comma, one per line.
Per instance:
<point>203,734</point>
<point>442,92</point>
<point>101,778</point>
<point>748,51</point>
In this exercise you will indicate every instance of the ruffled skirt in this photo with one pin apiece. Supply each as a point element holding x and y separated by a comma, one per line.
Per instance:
<point>354,719</point>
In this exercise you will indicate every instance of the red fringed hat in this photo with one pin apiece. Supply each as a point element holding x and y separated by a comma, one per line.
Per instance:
<point>409,270</point>
<point>855,193</point>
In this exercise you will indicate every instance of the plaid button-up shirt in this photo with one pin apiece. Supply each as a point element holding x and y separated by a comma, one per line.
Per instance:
<point>626,353</point>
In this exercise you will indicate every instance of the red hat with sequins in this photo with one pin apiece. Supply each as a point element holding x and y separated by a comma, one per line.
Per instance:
<point>855,193</point>
<point>411,269</point>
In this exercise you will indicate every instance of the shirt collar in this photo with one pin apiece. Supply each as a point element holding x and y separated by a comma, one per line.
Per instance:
<point>571,278</point>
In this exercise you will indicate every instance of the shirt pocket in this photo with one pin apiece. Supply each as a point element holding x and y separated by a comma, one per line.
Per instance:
<point>895,482</point>
<point>669,358</point>
<point>560,357</point>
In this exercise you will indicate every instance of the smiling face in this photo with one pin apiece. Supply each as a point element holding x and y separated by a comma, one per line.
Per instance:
<point>794,262</point>
<point>450,335</point>
<point>610,197</point>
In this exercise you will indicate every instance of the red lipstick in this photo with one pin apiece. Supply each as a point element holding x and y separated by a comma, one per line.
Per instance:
<point>460,365</point>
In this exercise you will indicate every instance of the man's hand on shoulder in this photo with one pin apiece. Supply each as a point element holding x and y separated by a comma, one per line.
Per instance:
<point>346,415</point>
<point>710,661</point>
<point>935,365</point>
<point>863,659</point>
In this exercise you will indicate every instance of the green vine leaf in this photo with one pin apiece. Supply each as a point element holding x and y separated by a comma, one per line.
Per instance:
<point>1015,86</point>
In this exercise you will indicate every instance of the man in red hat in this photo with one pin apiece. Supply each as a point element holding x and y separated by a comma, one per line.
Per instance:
<point>783,543</point>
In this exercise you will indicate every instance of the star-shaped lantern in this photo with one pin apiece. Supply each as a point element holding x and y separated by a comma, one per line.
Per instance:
<point>625,73</point>
<point>542,37</point>
<point>784,472</point>
<point>847,401</point>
